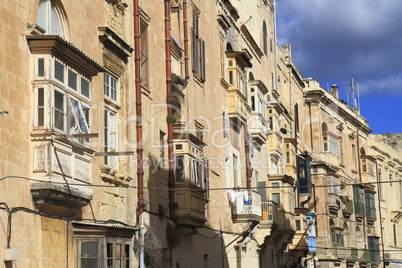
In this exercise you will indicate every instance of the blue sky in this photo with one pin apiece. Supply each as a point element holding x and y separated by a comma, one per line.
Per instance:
<point>337,40</point>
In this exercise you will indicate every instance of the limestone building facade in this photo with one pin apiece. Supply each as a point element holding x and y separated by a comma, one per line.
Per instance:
<point>177,133</point>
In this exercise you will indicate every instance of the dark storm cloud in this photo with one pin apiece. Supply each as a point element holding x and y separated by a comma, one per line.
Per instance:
<point>335,40</point>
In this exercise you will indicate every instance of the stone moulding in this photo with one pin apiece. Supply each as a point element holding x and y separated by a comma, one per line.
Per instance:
<point>59,195</point>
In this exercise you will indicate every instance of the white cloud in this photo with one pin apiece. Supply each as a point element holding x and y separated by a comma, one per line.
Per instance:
<point>339,39</point>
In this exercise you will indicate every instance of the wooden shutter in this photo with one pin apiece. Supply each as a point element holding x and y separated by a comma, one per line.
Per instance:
<point>193,51</point>
<point>202,59</point>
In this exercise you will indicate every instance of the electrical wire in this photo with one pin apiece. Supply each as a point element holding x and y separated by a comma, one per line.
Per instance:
<point>394,116</point>
<point>200,189</point>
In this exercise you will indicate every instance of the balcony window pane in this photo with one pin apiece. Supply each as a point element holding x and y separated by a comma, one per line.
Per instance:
<point>59,110</point>
<point>59,71</point>
<point>179,168</point>
<point>41,67</point>
<point>72,79</point>
<point>41,108</point>
<point>85,87</point>
<point>89,254</point>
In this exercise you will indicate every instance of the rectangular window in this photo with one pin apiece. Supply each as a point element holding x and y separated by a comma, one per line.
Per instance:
<point>41,67</point>
<point>179,168</point>
<point>374,248</point>
<point>197,51</point>
<point>354,156</point>
<point>298,225</point>
<point>144,55</point>
<point>59,110</point>
<point>59,71</point>
<point>79,116</point>
<point>358,197</point>
<point>110,86</point>
<point>72,79</point>
<point>304,177</point>
<point>89,254</point>
<point>235,172</point>
<point>161,148</point>
<point>41,107</point>
<point>276,197</point>
<point>370,204</point>
<point>85,87</point>
<point>114,253</point>
<point>110,137</point>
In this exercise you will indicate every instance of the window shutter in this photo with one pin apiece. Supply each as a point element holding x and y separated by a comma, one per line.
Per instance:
<point>202,59</point>
<point>206,178</point>
<point>193,51</point>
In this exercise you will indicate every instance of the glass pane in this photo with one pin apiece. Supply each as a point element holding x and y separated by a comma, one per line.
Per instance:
<point>110,263</point>
<point>179,168</point>
<point>59,110</point>
<point>55,26</point>
<point>59,71</point>
<point>79,114</point>
<point>85,88</point>
<point>106,84</point>
<point>41,17</point>
<point>41,67</point>
<point>127,251</point>
<point>41,120</point>
<point>72,79</point>
<point>89,263</point>
<point>89,249</point>
<point>41,99</point>
<point>113,88</point>
<point>109,250</point>
<point>112,128</point>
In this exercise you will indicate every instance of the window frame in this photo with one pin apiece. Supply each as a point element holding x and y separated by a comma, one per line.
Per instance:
<point>102,251</point>
<point>110,130</point>
<point>51,9</point>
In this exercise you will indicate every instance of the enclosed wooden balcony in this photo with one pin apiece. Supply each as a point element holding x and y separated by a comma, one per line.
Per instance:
<point>257,127</point>
<point>237,105</point>
<point>191,178</point>
<point>333,204</point>
<point>238,108</point>
<point>347,209</point>
<point>247,207</point>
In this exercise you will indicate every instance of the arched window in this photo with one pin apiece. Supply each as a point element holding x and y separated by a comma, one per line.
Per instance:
<point>264,37</point>
<point>49,18</point>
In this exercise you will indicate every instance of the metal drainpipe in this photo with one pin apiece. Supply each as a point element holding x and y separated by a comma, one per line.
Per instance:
<point>379,213</point>
<point>249,170</point>
<point>185,29</point>
<point>138,110</point>
<point>138,104</point>
<point>169,108</point>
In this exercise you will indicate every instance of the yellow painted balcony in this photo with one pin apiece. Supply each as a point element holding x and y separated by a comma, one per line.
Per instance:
<point>191,178</point>
<point>237,105</point>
